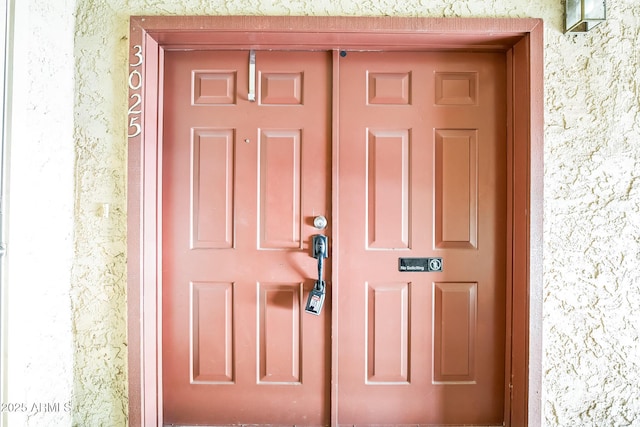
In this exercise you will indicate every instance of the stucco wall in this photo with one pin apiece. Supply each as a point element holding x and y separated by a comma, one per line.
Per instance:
<point>592,214</point>
<point>591,365</point>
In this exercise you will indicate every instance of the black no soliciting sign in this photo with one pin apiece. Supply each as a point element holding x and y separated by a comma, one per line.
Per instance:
<point>426,265</point>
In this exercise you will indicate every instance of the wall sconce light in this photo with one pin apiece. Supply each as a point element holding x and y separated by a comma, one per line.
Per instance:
<point>582,15</point>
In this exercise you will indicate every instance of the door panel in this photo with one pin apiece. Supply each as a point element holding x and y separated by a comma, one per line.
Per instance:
<point>242,182</point>
<point>421,174</point>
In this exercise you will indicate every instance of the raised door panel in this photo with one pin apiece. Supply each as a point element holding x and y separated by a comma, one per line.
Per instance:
<point>387,333</point>
<point>279,319</point>
<point>454,332</point>
<point>388,189</point>
<point>212,192</point>
<point>456,188</point>
<point>280,188</point>
<point>212,333</point>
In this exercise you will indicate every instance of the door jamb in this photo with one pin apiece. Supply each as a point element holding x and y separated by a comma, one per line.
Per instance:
<point>520,39</point>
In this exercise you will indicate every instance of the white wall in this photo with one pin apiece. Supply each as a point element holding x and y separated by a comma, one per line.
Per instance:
<point>40,240</point>
<point>67,262</point>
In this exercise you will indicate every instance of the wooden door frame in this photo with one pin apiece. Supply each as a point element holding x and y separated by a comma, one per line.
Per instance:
<point>522,42</point>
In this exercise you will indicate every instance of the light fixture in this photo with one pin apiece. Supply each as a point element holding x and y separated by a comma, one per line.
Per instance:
<point>583,15</point>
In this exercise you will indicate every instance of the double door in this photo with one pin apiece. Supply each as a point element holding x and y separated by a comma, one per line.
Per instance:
<point>404,154</point>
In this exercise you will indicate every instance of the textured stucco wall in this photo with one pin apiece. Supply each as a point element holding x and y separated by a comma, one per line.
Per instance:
<point>591,366</point>
<point>592,214</point>
<point>99,275</point>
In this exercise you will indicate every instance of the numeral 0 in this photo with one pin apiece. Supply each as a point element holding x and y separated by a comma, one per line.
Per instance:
<point>135,75</point>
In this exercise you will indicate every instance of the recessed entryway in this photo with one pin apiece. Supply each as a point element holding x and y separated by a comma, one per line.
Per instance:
<point>413,152</point>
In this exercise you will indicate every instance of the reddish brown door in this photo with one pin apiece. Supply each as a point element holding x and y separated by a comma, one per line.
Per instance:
<point>242,182</point>
<point>421,175</point>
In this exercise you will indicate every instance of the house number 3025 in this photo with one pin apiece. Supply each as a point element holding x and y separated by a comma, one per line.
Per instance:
<point>135,84</point>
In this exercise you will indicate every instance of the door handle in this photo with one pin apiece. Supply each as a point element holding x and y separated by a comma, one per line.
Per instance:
<point>320,251</point>
<point>252,76</point>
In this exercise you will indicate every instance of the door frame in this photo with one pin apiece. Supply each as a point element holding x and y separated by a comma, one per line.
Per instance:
<point>520,39</point>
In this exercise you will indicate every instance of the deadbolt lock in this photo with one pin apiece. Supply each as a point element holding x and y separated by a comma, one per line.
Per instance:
<point>320,222</point>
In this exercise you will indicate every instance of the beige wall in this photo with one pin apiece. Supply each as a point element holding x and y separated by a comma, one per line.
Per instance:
<point>67,264</point>
<point>37,326</point>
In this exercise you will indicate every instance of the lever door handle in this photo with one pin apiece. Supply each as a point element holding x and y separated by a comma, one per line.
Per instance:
<point>320,251</point>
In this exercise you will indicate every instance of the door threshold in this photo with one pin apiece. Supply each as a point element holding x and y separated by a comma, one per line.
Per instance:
<point>339,425</point>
